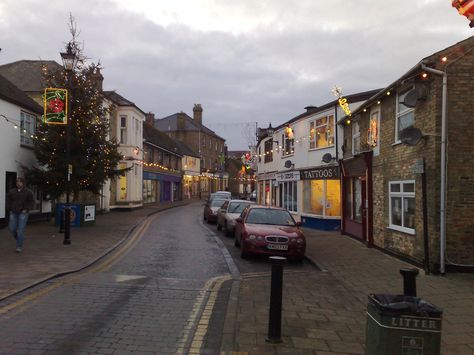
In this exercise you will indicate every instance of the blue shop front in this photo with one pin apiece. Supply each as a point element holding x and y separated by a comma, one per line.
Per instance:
<point>161,187</point>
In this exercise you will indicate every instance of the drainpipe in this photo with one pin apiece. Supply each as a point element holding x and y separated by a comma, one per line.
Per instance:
<point>442,212</point>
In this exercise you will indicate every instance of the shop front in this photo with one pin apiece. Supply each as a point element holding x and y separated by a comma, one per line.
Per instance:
<point>287,183</point>
<point>161,187</point>
<point>321,207</point>
<point>357,197</point>
<point>190,185</point>
<point>266,192</point>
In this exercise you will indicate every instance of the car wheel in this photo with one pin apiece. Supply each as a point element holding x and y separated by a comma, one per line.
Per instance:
<point>219,227</point>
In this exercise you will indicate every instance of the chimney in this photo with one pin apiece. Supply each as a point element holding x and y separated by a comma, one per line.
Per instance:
<point>150,118</point>
<point>197,113</point>
<point>97,79</point>
<point>181,121</point>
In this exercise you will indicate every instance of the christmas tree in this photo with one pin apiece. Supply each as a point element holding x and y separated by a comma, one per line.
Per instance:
<point>93,155</point>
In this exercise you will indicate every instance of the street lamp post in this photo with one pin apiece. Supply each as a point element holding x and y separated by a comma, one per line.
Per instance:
<point>69,59</point>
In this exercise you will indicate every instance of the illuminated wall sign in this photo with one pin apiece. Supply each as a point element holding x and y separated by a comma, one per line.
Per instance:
<point>330,172</point>
<point>55,106</point>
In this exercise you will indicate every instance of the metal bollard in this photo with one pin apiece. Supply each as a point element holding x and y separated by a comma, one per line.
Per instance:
<point>61,221</point>
<point>274,321</point>
<point>409,281</point>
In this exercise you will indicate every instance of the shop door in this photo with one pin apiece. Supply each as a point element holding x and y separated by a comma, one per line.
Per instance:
<point>356,211</point>
<point>166,190</point>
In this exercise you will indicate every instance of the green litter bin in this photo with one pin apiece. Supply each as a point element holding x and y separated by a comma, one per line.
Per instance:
<point>405,325</point>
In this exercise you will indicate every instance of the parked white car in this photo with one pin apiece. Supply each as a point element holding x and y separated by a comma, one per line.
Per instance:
<point>229,212</point>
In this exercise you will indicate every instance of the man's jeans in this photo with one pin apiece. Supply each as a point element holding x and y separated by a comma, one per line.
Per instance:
<point>17,226</point>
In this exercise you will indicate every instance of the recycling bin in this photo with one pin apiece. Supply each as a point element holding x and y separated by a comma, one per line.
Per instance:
<point>75,213</point>
<point>400,324</point>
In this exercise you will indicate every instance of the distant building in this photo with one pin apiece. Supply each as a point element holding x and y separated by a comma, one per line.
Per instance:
<point>210,147</point>
<point>126,126</point>
<point>162,165</point>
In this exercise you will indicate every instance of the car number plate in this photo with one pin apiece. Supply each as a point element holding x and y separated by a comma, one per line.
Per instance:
<point>277,246</point>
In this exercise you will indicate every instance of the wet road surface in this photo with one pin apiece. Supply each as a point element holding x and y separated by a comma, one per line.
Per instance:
<point>157,298</point>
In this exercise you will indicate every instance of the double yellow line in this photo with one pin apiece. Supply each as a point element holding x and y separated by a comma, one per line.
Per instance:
<point>122,250</point>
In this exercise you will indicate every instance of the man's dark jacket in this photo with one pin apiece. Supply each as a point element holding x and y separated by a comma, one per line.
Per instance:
<point>19,200</point>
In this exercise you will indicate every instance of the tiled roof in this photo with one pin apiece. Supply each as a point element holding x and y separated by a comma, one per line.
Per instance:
<point>119,100</point>
<point>185,149</point>
<point>160,139</point>
<point>11,93</point>
<point>170,123</point>
<point>27,75</point>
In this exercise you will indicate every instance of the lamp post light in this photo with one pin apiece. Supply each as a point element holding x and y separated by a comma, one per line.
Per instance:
<point>69,59</point>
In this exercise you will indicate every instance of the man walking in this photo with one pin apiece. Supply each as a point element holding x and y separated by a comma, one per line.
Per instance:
<point>20,201</point>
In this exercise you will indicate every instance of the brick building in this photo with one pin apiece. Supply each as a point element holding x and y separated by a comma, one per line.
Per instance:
<point>210,147</point>
<point>395,146</point>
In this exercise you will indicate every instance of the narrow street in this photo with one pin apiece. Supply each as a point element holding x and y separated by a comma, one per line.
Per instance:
<point>148,300</point>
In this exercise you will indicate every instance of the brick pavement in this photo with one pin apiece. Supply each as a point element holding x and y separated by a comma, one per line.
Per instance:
<point>324,312</point>
<point>44,255</point>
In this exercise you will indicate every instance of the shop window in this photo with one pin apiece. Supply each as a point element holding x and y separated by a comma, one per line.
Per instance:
<point>405,116</point>
<point>321,132</point>
<point>149,191</point>
<point>322,197</point>
<point>402,206</point>
<point>288,196</point>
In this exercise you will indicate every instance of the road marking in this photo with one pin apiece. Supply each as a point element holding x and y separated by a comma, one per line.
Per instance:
<point>125,278</point>
<point>198,321</point>
<point>70,279</point>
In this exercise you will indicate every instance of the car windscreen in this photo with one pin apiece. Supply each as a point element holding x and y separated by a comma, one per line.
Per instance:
<point>237,207</point>
<point>270,216</point>
<point>217,202</point>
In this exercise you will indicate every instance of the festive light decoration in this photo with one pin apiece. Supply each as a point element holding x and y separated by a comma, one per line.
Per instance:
<point>95,156</point>
<point>289,132</point>
<point>55,106</point>
<point>465,8</point>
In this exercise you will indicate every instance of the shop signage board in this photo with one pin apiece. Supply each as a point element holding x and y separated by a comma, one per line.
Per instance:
<point>288,176</point>
<point>322,173</point>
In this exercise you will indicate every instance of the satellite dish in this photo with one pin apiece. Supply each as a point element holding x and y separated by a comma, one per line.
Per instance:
<point>288,164</point>
<point>327,158</point>
<point>410,99</point>
<point>410,135</point>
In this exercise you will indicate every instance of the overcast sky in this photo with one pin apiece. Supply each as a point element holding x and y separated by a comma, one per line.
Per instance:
<point>246,62</point>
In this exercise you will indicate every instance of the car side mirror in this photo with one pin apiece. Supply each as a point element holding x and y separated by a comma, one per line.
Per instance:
<point>239,220</point>
<point>298,224</point>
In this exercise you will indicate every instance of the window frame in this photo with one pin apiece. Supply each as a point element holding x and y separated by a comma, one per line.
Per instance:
<point>402,195</point>
<point>287,146</point>
<point>26,134</point>
<point>123,129</point>
<point>268,146</point>
<point>313,141</point>
<point>399,114</point>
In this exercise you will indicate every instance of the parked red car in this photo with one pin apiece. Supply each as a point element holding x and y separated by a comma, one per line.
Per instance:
<point>269,231</point>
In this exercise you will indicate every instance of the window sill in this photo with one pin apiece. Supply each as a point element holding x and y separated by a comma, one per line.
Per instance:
<point>402,229</point>
<point>396,143</point>
<point>305,214</point>
<point>320,148</point>
<point>288,155</point>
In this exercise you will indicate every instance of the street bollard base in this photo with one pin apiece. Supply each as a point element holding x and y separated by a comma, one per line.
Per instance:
<point>273,340</point>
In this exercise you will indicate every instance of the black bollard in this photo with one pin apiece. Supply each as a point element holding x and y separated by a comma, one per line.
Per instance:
<point>409,281</point>
<point>61,221</point>
<point>274,321</point>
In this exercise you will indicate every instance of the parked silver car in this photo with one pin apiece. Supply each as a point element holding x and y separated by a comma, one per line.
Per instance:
<point>229,212</point>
